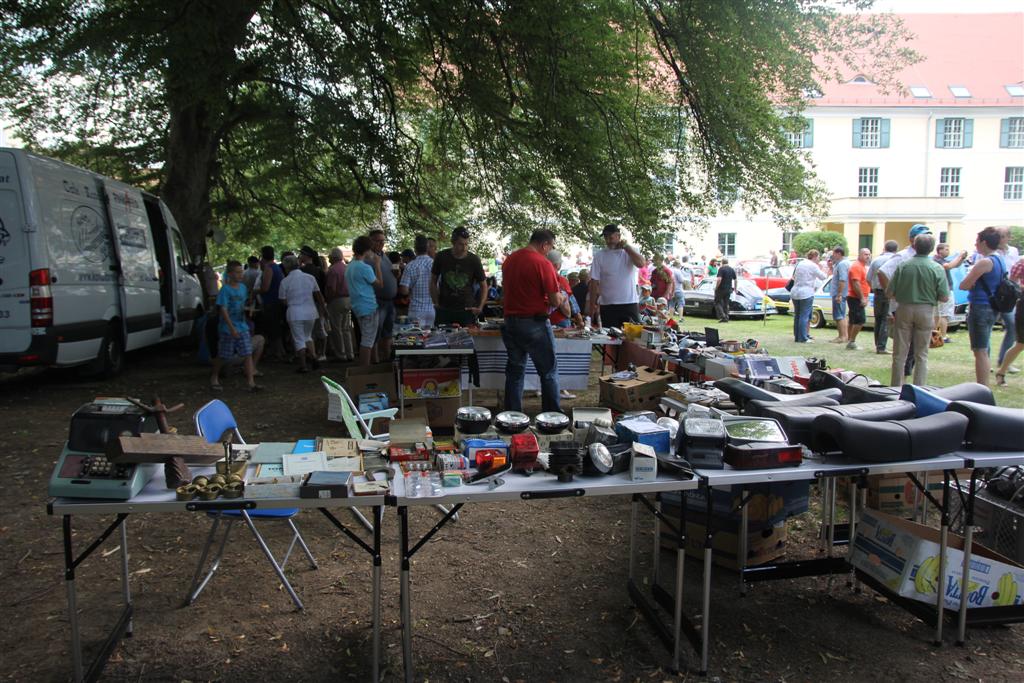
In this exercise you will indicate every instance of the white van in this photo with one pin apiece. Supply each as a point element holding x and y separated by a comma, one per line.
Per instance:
<point>89,267</point>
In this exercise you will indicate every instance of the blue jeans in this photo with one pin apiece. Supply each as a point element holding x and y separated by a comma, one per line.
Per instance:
<point>980,319</point>
<point>801,317</point>
<point>1010,337</point>
<point>527,336</point>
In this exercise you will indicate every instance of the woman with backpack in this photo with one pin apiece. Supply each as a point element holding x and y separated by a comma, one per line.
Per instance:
<point>982,282</point>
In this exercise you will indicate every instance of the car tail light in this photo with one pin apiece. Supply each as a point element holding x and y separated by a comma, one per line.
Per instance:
<point>40,298</point>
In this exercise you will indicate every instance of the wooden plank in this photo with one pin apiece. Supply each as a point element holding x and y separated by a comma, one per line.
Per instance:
<point>159,447</point>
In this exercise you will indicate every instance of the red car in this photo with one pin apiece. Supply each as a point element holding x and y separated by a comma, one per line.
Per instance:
<point>764,274</point>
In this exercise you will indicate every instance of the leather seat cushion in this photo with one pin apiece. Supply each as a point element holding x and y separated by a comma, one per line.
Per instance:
<point>891,440</point>
<point>991,427</point>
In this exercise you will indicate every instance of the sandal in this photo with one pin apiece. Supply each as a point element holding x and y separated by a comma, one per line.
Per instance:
<point>216,387</point>
<point>1000,379</point>
<point>255,387</point>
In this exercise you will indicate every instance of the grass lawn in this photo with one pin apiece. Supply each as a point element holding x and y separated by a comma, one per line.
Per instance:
<point>951,364</point>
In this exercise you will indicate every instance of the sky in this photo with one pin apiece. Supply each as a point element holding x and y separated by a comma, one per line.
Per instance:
<point>947,6</point>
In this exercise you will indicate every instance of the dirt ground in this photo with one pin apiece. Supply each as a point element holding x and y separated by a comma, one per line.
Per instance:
<point>528,591</point>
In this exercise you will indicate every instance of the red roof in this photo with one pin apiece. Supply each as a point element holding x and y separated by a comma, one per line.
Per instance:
<point>981,52</point>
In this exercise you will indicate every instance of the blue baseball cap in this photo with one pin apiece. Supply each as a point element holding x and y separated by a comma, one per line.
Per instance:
<point>919,229</point>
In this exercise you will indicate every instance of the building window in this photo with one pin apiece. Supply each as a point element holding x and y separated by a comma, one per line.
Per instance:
<point>949,182</point>
<point>1011,132</point>
<point>867,182</point>
<point>727,243</point>
<point>787,239</point>
<point>1013,184</point>
<point>871,133</point>
<point>802,138</point>
<point>959,91</point>
<point>920,91</point>
<point>1014,90</point>
<point>954,133</point>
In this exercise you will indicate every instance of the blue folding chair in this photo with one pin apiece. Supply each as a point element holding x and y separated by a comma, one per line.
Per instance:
<point>213,421</point>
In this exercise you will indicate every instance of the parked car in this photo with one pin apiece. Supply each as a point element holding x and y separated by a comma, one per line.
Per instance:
<point>821,313</point>
<point>747,302</point>
<point>764,274</point>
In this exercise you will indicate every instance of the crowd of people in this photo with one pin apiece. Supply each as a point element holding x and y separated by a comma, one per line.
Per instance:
<point>913,299</point>
<point>309,310</point>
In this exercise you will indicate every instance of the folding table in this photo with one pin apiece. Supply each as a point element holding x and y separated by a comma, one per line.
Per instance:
<point>158,499</point>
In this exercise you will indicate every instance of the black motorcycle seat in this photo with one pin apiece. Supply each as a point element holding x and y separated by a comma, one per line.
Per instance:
<point>991,427</point>
<point>796,420</point>
<point>741,392</point>
<point>891,440</point>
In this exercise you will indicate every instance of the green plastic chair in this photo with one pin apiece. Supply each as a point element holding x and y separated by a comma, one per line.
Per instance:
<point>340,408</point>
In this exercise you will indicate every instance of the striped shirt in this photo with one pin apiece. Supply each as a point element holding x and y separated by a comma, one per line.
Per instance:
<point>417,278</point>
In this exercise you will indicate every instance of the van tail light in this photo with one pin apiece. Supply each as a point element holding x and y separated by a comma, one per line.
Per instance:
<point>40,298</point>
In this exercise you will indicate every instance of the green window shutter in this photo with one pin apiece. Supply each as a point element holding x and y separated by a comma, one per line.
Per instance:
<point>1004,133</point>
<point>856,132</point>
<point>809,133</point>
<point>940,131</point>
<point>968,132</point>
<point>883,128</point>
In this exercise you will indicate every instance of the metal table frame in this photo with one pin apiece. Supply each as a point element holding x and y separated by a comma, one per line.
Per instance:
<point>827,469</point>
<point>538,487</point>
<point>155,498</point>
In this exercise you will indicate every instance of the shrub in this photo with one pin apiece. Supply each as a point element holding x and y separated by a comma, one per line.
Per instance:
<point>824,241</point>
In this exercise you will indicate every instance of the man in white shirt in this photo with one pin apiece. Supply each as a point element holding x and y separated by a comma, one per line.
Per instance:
<point>881,308</point>
<point>301,293</point>
<point>613,298</point>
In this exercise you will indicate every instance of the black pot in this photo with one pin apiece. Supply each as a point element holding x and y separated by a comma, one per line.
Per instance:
<point>511,422</point>
<point>472,419</point>
<point>552,423</point>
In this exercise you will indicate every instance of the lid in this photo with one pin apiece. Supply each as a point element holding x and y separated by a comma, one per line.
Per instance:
<point>601,457</point>
<point>703,426</point>
<point>475,413</point>
<point>512,418</point>
<point>553,419</point>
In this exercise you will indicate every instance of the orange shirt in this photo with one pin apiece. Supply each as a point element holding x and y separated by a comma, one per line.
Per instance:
<point>858,273</point>
<point>527,278</point>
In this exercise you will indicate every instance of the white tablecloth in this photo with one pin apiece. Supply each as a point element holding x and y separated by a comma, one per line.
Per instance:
<point>573,364</point>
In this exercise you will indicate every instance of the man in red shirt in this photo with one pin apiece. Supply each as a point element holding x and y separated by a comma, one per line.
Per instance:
<point>530,292</point>
<point>857,295</point>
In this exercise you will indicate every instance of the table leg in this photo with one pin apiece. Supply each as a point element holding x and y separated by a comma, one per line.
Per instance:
<point>405,608</point>
<point>705,624</point>
<point>69,582</point>
<point>741,550</point>
<point>831,483</point>
<point>656,559</point>
<point>853,531</point>
<point>965,575</point>
<point>634,508</point>
<point>401,393</point>
<point>124,574</point>
<point>943,545</point>
<point>378,513</point>
<point>677,611</point>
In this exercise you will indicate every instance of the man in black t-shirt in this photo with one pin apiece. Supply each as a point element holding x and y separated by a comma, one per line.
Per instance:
<point>725,284</point>
<point>453,276</point>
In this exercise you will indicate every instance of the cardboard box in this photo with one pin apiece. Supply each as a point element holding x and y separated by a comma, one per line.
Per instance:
<point>432,383</point>
<point>646,432</point>
<point>895,493</point>
<point>409,431</point>
<point>372,401</point>
<point>641,393</point>
<point>904,557</point>
<point>643,466</point>
<point>439,413</point>
<point>379,377</point>
<point>770,504</point>
<point>717,368</point>
<point>762,546</point>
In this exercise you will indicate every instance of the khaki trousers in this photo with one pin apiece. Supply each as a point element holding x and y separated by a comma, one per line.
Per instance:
<point>914,322</point>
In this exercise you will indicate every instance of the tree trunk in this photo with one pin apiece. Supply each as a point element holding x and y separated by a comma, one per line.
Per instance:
<point>200,77</point>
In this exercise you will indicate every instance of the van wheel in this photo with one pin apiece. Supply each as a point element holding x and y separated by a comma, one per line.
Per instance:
<point>817,318</point>
<point>110,359</point>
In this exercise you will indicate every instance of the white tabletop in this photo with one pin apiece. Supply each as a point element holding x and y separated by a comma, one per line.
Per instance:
<point>155,497</point>
<point>433,351</point>
<point>992,458</point>
<point>831,466</point>
<point>540,484</point>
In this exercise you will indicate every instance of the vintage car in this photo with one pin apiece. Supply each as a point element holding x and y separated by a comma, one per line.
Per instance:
<point>747,302</point>
<point>821,314</point>
<point>764,274</point>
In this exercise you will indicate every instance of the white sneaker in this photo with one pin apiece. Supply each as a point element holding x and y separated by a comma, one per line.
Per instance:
<point>566,395</point>
<point>1013,369</point>
<point>852,346</point>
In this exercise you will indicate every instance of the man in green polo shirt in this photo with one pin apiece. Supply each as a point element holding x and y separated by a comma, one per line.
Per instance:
<point>918,286</point>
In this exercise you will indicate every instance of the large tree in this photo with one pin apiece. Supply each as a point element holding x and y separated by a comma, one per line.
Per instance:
<point>251,112</point>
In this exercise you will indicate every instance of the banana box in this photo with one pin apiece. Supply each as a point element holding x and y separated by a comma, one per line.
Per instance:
<point>904,557</point>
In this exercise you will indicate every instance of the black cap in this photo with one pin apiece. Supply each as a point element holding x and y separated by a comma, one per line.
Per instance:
<point>460,231</point>
<point>308,251</point>
<point>610,229</point>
